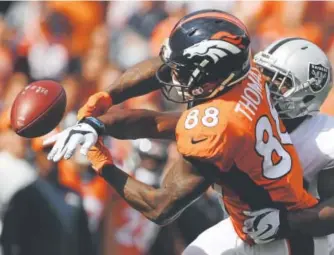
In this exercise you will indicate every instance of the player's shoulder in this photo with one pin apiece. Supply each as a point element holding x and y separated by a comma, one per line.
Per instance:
<point>323,128</point>
<point>203,130</point>
<point>321,125</point>
<point>317,130</point>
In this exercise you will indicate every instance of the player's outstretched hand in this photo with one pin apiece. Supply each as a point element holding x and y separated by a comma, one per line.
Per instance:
<point>99,156</point>
<point>263,226</point>
<point>84,133</point>
<point>96,105</point>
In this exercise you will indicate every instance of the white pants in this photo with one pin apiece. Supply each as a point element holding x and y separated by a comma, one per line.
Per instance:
<point>221,239</point>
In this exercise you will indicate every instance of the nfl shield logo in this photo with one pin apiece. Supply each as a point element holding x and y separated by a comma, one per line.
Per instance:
<point>320,74</point>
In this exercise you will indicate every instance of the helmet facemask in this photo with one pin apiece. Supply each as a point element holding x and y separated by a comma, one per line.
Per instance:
<point>190,83</point>
<point>285,89</point>
<point>281,87</point>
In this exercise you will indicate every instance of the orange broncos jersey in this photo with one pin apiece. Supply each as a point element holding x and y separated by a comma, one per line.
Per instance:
<point>240,133</point>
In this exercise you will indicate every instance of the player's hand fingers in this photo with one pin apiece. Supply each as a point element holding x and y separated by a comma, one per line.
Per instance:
<point>246,230</point>
<point>262,241</point>
<point>61,146</point>
<point>248,224</point>
<point>72,144</point>
<point>52,153</point>
<point>58,145</point>
<point>59,154</point>
<point>51,139</point>
<point>90,140</point>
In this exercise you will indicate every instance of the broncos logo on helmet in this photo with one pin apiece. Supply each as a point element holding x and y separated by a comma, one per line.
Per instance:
<point>214,49</point>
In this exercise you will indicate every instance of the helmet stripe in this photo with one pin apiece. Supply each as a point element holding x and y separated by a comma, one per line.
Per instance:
<point>213,14</point>
<point>281,43</point>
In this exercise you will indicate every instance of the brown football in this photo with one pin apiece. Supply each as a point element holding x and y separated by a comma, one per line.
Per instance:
<point>38,108</point>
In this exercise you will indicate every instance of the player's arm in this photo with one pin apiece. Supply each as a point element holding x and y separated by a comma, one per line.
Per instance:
<point>143,123</point>
<point>182,185</point>
<point>136,81</point>
<point>326,184</point>
<point>316,221</point>
<point>121,124</point>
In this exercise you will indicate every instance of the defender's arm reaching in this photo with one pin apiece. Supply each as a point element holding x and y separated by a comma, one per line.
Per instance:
<point>145,123</point>
<point>136,81</point>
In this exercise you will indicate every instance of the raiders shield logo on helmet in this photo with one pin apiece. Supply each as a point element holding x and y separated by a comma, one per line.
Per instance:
<point>320,74</point>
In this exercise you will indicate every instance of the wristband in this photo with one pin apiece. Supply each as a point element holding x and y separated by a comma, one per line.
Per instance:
<point>94,123</point>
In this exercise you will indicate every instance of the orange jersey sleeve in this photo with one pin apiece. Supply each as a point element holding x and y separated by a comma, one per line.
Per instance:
<point>203,133</point>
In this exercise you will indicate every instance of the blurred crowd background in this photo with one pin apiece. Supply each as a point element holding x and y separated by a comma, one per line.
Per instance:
<point>64,208</point>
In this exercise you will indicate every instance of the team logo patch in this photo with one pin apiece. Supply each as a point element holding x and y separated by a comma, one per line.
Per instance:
<point>320,74</point>
<point>214,49</point>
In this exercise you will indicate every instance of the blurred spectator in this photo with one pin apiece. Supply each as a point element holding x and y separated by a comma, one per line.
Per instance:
<point>15,84</point>
<point>119,12</point>
<point>48,58</point>
<point>45,217</point>
<point>328,105</point>
<point>130,48</point>
<point>163,29</point>
<point>108,76</point>
<point>4,5</point>
<point>15,171</point>
<point>149,14</point>
<point>128,231</point>
<point>83,16</point>
<point>269,21</point>
<point>72,89</point>
<point>77,174</point>
<point>93,64</point>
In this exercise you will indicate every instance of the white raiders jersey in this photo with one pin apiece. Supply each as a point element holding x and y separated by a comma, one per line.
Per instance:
<point>313,140</point>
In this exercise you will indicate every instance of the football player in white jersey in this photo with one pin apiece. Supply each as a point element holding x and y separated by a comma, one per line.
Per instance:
<point>300,77</point>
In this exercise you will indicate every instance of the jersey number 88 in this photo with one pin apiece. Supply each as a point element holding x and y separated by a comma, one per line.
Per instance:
<point>266,144</point>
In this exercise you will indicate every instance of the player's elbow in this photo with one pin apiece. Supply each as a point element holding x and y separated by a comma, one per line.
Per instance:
<point>165,218</point>
<point>165,210</point>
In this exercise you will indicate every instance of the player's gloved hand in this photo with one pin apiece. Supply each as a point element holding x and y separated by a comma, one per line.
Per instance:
<point>266,225</point>
<point>96,105</point>
<point>99,156</point>
<point>85,132</point>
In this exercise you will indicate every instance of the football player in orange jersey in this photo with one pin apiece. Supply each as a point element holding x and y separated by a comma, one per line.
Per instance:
<point>233,137</point>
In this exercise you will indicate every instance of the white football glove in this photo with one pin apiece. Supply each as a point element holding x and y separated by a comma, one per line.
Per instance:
<point>85,132</point>
<point>263,225</point>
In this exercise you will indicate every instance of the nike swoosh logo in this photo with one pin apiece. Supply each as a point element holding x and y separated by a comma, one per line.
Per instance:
<point>269,227</point>
<point>193,141</point>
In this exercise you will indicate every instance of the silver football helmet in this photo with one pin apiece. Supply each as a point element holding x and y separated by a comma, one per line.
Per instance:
<point>299,76</point>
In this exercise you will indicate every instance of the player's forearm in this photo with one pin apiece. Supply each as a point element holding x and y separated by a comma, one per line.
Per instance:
<point>181,187</point>
<point>134,124</point>
<point>137,80</point>
<point>152,203</point>
<point>316,221</point>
